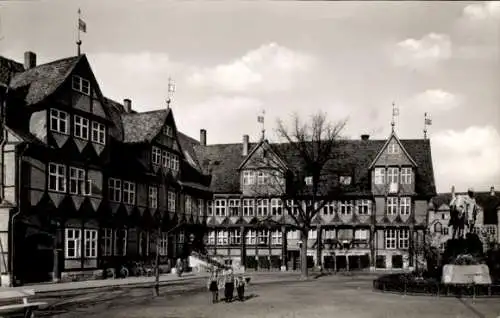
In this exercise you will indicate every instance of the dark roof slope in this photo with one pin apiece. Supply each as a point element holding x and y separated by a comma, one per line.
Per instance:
<point>188,145</point>
<point>44,79</point>
<point>143,127</point>
<point>353,157</point>
<point>8,66</point>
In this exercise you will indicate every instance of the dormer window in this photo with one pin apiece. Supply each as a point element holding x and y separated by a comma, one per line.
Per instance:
<point>345,180</point>
<point>168,131</point>
<point>98,133</point>
<point>156,155</point>
<point>393,148</point>
<point>81,127</point>
<point>308,180</point>
<point>81,85</point>
<point>248,177</point>
<point>59,121</point>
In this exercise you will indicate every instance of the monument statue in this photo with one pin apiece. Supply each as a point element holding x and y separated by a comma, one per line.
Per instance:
<point>463,213</point>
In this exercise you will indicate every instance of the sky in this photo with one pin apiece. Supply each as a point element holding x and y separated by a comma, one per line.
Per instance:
<point>230,60</point>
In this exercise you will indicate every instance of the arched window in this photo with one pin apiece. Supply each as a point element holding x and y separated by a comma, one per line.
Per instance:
<point>438,228</point>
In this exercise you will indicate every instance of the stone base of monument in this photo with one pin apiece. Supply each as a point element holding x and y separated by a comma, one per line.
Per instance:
<point>466,275</point>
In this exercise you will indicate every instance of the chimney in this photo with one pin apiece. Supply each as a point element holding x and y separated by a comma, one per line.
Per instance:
<point>203,137</point>
<point>245,145</point>
<point>492,191</point>
<point>127,105</point>
<point>29,60</point>
<point>365,137</point>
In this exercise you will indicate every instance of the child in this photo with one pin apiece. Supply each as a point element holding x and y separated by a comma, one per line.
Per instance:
<point>213,285</point>
<point>240,288</point>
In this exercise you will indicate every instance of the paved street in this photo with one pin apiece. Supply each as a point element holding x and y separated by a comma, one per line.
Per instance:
<point>278,296</point>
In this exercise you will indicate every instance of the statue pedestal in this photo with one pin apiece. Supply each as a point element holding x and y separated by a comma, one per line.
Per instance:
<point>466,274</point>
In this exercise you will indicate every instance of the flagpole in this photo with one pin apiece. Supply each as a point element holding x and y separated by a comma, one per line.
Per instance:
<point>78,42</point>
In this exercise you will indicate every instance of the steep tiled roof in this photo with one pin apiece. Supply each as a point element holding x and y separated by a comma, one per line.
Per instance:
<point>44,79</point>
<point>143,127</point>
<point>188,144</point>
<point>7,66</point>
<point>353,157</point>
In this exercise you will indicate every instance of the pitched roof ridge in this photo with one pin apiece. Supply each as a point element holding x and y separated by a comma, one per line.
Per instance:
<point>148,112</point>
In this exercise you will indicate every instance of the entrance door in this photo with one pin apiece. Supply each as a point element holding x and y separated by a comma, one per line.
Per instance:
<point>38,247</point>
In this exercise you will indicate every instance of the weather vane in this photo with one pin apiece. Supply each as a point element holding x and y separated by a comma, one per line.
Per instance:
<point>395,113</point>
<point>82,27</point>
<point>171,91</point>
<point>260,119</point>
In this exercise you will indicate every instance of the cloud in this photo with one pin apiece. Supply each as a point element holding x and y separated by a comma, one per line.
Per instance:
<point>467,158</point>
<point>270,67</point>
<point>435,100</point>
<point>424,52</point>
<point>482,11</point>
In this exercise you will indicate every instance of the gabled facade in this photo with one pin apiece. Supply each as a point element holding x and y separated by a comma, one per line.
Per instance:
<point>374,223</point>
<point>88,177</point>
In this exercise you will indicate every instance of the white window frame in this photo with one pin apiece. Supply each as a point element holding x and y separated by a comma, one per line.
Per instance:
<point>262,207</point>
<point>393,148</point>
<point>328,234</point>
<point>81,85</point>
<point>293,207</point>
<point>391,239</point>
<point>361,234</point>
<point>153,197</point>
<point>329,208</point>
<point>364,207</point>
<point>76,180</point>
<point>98,133</point>
<point>345,180</point>
<point>312,234</point>
<point>234,207</point>
<point>168,131</point>
<point>210,208</point>
<point>107,240</point>
<point>75,236</point>
<point>222,237</point>
<point>404,238</point>
<point>345,207</point>
<point>163,248</point>
<point>235,237</point>
<point>57,172</point>
<point>380,177</point>
<point>308,180</point>
<point>276,206</point>
<point>392,175</point>
<point>276,237</point>
<point>251,237</point>
<point>156,156</point>
<point>59,121</point>
<point>263,236</point>
<point>404,205</point>
<point>91,241</point>
<point>406,175</point>
<point>248,207</point>
<point>124,241</point>
<point>211,238</point>
<point>80,127</point>
<point>220,207</point>
<point>171,202</point>
<point>292,235</point>
<point>115,190</point>
<point>248,177</point>
<point>129,192</point>
<point>165,159</point>
<point>262,177</point>
<point>392,206</point>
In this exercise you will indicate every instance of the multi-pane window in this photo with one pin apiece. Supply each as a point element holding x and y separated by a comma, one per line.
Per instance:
<point>90,237</point>
<point>211,238</point>
<point>165,159</point>
<point>276,237</point>
<point>81,127</point>
<point>188,204</point>
<point>293,235</point>
<point>308,180</point>
<point>98,133</point>
<point>404,205</point>
<point>312,235</point>
<point>163,248</point>
<point>120,242</point>
<point>263,237</point>
<point>404,238</point>
<point>276,206</point>
<point>168,131</point>
<point>81,85</point>
<point>248,207</point>
<point>115,190</point>
<point>328,234</point>
<point>392,205</point>
<point>174,162</point>
<point>361,234</point>
<point>235,237</point>
<point>200,207</point>
<point>234,207</point>
<point>128,192</point>
<point>262,177</point>
<point>364,207</point>
<point>156,155</point>
<point>222,237</point>
<point>143,243</point>
<point>210,210</point>
<point>59,121</point>
<point>220,207</point>
<point>262,206</point>
<point>345,180</point>
<point>76,180</point>
<point>406,175</point>
<point>392,175</point>
<point>379,175</point>
<point>57,177</point>
<point>153,197</point>
<point>248,177</point>
<point>107,239</point>
<point>251,237</point>
<point>171,201</point>
<point>393,148</point>
<point>345,207</point>
<point>329,208</point>
<point>292,207</point>
<point>390,239</point>
<point>73,243</point>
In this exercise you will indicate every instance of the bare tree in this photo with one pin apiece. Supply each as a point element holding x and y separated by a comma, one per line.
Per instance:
<point>303,173</point>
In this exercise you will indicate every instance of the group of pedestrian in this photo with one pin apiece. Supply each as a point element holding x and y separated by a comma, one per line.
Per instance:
<point>226,280</point>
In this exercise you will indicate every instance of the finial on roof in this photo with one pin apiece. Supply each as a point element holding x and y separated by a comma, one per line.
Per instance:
<point>171,91</point>
<point>82,27</point>
<point>427,122</point>
<point>260,119</point>
<point>395,113</point>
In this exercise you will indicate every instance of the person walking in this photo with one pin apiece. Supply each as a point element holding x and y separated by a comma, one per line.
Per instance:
<point>213,285</point>
<point>240,287</point>
<point>179,267</point>
<point>229,285</point>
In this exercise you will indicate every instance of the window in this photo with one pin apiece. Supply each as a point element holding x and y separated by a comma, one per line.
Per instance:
<point>379,175</point>
<point>165,159</point>
<point>163,248</point>
<point>222,237</point>
<point>392,205</point>
<point>364,207</point>
<point>168,131</point>
<point>211,238</point>
<point>176,163</point>
<point>438,228</point>
<point>345,180</point>
<point>345,207</point>
<point>276,206</point>
<point>248,177</point>
<point>73,243</point>
<point>81,127</point>
<point>156,155</point>
<point>329,208</point>
<point>392,175</point>
<point>200,207</point>
<point>90,243</point>
<point>220,207</point>
<point>153,197</point>
<point>405,175</point>
<point>171,201</point>
<point>292,207</point>
<point>328,234</point>
<point>404,238</point>
<point>128,192</point>
<point>188,205</point>
<point>120,242</point>
<point>262,177</point>
<point>81,85</point>
<point>57,177</point>
<point>210,210</point>
<point>312,235</point>
<point>263,238</point>
<point>393,148</point>
<point>262,206</point>
<point>235,237</point>
<point>115,190</point>
<point>250,237</point>
<point>404,205</point>
<point>98,133</point>
<point>308,180</point>
<point>390,239</point>
<point>361,234</point>
<point>292,235</point>
<point>445,230</point>
<point>59,121</point>
<point>107,238</point>
<point>76,180</point>
<point>143,243</point>
<point>171,161</point>
<point>181,237</point>
<point>248,207</point>
<point>276,237</point>
<point>234,207</point>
